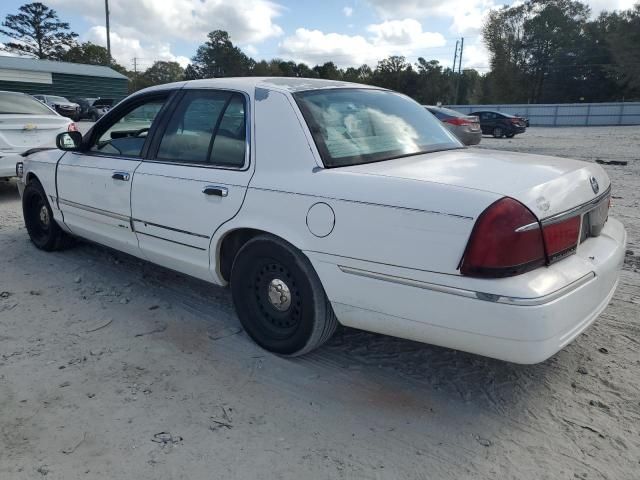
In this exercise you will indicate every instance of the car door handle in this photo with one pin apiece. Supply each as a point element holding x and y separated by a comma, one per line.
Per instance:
<point>215,190</point>
<point>124,176</point>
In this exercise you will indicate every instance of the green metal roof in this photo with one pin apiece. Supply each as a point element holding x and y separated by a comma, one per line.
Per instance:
<point>37,65</point>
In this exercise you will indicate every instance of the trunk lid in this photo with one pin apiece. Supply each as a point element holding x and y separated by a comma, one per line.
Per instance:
<point>546,185</point>
<point>22,132</point>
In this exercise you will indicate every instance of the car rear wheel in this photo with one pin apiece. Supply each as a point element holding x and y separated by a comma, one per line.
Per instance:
<point>279,298</point>
<point>38,218</point>
<point>498,132</point>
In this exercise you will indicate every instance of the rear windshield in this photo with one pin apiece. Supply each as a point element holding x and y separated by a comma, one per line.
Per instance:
<point>18,103</point>
<point>447,112</point>
<point>355,126</point>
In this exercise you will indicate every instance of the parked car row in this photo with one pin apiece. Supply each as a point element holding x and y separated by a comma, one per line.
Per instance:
<point>26,123</point>
<point>77,108</point>
<point>93,108</point>
<point>470,128</point>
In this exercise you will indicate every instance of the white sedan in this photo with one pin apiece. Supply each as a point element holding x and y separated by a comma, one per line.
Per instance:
<point>321,202</point>
<point>26,123</point>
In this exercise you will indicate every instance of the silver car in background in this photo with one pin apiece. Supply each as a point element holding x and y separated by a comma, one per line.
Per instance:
<point>465,127</point>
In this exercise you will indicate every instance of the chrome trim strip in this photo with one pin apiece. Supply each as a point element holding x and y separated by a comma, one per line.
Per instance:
<point>461,292</point>
<point>172,241</point>
<point>199,235</point>
<point>410,209</point>
<point>526,228</point>
<point>98,211</point>
<point>579,210</point>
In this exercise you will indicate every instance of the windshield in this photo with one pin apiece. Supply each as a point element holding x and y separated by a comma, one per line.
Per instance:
<point>354,126</point>
<point>18,103</point>
<point>58,99</point>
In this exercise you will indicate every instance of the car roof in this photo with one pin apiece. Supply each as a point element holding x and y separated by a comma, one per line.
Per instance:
<point>289,84</point>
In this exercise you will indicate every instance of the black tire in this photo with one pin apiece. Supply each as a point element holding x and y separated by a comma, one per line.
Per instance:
<point>294,329</point>
<point>38,218</point>
<point>511,135</point>
<point>498,132</point>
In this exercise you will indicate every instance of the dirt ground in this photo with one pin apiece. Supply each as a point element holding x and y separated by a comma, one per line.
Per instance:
<point>111,368</point>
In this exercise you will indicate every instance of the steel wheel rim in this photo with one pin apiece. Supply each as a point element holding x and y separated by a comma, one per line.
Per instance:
<point>278,317</point>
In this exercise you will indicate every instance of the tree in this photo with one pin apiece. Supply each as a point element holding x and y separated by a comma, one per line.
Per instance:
<point>396,74</point>
<point>361,74</point>
<point>88,53</point>
<point>37,31</point>
<point>328,71</point>
<point>623,39</point>
<point>218,57</point>
<point>162,72</point>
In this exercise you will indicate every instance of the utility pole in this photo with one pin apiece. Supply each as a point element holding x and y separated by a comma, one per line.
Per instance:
<point>459,69</point>
<point>455,56</point>
<point>453,69</point>
<point>135,73</point>
<point>106,12</point>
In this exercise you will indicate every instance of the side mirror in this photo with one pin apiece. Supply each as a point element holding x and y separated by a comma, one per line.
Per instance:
<point>69,141</point>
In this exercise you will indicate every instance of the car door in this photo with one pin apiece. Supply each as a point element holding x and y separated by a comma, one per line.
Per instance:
<point>194,180</point>
<point>94,185</point>
<point>490,122</point>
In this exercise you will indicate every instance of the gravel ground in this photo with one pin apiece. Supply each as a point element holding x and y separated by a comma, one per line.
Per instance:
<point>114,368</point>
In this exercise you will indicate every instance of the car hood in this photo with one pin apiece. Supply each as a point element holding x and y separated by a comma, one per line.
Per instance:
<point>546,185</point>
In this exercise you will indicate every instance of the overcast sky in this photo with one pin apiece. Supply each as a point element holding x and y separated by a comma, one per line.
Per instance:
<point>349,32</point>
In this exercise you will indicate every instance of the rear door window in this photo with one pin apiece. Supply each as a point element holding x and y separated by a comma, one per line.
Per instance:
<point>207,127</point>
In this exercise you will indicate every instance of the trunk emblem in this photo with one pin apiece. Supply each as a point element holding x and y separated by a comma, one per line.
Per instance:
<point>594,184</point>
<point>543,204</point>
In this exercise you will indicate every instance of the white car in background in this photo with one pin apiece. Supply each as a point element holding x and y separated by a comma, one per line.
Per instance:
<point>321,202</point>
<point>26,123</point>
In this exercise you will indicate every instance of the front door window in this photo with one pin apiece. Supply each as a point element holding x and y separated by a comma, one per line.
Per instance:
<point>126,135</point>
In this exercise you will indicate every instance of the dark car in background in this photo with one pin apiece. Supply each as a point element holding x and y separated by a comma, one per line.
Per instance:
<point>465,127</point>
<point>93,108</point>
<point>500,124</point>
<point>61,105</point>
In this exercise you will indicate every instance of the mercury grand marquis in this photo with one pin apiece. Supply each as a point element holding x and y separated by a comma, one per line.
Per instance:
<point>321,202</point>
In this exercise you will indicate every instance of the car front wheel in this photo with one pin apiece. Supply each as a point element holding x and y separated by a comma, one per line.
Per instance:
<point>38,218</point>
<point>279,298</point>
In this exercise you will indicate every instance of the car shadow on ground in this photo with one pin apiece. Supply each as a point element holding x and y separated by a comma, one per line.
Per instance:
<point>389,362</point>
<point>8,191</point>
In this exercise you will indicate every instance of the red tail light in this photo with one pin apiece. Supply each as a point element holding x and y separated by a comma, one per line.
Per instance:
<point>459,121</point>
<point>72,127</point>
<point>506,240</point>
<point>561,238</point>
